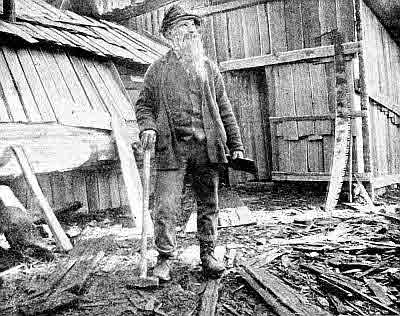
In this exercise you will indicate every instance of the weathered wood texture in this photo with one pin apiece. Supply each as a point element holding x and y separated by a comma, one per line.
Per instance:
<point>49,88</point>
<point>382,60</point>
<point>96,189</point>
<point>235,30</point>
<point>295,90</point>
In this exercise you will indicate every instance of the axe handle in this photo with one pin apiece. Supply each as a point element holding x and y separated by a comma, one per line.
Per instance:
<point>145,210</point>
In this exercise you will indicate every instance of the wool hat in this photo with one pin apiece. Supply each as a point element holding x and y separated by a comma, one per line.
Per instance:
<point>175,14</point>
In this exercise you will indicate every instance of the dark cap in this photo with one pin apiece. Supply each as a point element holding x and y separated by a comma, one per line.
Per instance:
<point>175,14</point>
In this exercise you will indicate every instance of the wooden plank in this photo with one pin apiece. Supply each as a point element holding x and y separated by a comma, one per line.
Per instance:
<point>30,107</point>
<point>208,38</point>
<point>285,101</point>
<point>101,87</point>
<point>114,189</point>
<point>310,23</point>
<point>278,308</point>
<point>320,97</point>
<point>328,146</point>
<point>303,97</point>
<point>103,182</point>
<point>258,132</point>
<point>209,298</point>
<point>79,188</point>
<point>90,89</point>
<point>288,57</point>
<point>221,36</point>
<point>47,81</point>
<point>154,22</point>
<point>37,89</point>
<point>313,176</point>
<point>4,115</point>
<point>72,81</point>
<point>10,92</point>
<point>298,155</point>
<point>92,191</point>
<point>327,17</point>
<point>116,90</point>
<point>251,32</point>
<point>315,156</point>
<point>345,19</point>
<point>271,103</point>
<point>276,14</point>
<point>294,30</point>
<point>263,25</point>
<point>284,155</point>
<point>130,173</point>
<point>331,85</point>
<point>69,187</point>
<point>235,33</point>
<point>58,233</point>
<point>58,190</point>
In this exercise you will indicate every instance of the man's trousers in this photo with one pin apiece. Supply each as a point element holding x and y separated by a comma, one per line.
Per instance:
<point>168,194</point>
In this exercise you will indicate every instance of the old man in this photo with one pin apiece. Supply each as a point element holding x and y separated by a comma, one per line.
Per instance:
<point>184,111</point>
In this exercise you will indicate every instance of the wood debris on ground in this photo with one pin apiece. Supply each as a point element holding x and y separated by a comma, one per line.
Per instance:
<point>296,260</point>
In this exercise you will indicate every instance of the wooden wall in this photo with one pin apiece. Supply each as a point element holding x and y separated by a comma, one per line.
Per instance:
<point>245,29</point>
<point>382,56</point>
<point>97,189</point>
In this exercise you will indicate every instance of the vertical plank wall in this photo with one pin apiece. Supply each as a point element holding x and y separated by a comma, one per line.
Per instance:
<point>97,189</point>
<point>382,56</point>
<point>255,28</point>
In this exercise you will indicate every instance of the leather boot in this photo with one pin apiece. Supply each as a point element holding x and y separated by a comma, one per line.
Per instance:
<point>211,266</point>
<point>162,270</point>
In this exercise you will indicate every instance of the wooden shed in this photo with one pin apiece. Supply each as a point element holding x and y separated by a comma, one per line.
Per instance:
<point>59,86</point>
<point>278,61</point>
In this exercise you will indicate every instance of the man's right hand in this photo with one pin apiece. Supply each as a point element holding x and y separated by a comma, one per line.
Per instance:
<point>148,139</point>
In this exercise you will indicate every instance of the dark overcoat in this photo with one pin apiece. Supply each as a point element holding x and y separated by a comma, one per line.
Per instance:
<point>154,110</point>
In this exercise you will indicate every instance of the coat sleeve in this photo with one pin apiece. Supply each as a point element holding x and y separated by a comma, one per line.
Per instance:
<point>146,104</point>
<point>234,139</point>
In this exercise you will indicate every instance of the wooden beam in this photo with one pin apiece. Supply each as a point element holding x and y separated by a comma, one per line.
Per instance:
<point>130,172</point>
<point>312,176</point>
<point>327,117</point>
<point>288,57</point>
<point>52,147</point>
<point>61,238</point>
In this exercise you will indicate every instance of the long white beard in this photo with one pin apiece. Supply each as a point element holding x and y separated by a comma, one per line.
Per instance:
<point>190,48</point>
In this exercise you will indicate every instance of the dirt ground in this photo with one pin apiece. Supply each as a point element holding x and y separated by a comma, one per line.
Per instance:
<point>359,246</point>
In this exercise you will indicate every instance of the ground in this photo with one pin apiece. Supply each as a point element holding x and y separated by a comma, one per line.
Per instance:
<point>293,235</point>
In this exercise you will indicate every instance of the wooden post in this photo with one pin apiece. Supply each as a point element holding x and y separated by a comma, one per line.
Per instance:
<point>9,11</point>
<point>364,101</point>
<point>61,238</point>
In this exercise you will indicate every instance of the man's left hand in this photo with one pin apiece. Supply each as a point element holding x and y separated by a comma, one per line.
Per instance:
<point>237,154</point>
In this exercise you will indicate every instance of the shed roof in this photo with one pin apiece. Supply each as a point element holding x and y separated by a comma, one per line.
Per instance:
<point>40,85</point>
<point>40,23</point>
